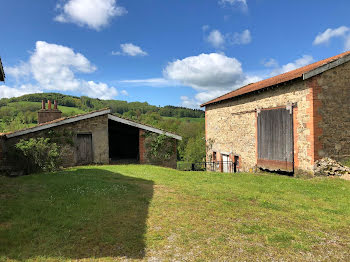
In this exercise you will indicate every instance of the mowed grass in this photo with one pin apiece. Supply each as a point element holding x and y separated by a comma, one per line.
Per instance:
<point>108,213</point>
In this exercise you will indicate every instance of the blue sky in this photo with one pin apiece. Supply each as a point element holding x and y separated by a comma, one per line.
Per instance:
<point>164,52</point>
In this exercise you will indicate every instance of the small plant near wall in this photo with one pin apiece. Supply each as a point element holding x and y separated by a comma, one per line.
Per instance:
<point>40,154</point>
<point>61,137</point>
<point>159,148</point>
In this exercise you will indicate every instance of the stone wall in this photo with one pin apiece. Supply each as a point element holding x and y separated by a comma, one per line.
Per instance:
<point>232,124</point>
<point>321,118</point>
<point>66,135</point>
<point>333,113</point>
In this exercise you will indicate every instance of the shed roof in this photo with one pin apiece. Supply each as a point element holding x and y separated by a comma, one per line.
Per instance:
<point>304,73</point>
<point>67,120</point>
<point>2,73</point>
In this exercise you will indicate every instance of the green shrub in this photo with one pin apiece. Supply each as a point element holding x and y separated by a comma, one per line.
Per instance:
<point>40,154</point>
<point>160,148</point>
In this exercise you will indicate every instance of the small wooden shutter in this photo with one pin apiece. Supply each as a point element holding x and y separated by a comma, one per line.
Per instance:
<point>84,149</point>
<point>275,139</point>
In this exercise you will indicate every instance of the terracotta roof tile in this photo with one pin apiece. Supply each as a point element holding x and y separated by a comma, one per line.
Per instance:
<point>291,75</point>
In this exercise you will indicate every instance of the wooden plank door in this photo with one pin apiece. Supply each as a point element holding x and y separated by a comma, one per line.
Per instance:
<point>84,149</point>
<point>275,139</point>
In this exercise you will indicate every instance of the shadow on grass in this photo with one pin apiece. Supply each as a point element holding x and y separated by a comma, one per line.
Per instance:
<point>78,213</point>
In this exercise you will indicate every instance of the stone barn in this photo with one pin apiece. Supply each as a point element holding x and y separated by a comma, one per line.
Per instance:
<point>284,123</point>
<point>93,138</point>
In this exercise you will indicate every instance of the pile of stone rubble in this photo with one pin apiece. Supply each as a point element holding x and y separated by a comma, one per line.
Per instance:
<point>329,167</point>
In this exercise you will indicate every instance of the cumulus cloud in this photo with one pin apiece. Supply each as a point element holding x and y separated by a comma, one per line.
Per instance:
<point>242,38</point>
<point>211,75</point>
<point>216,39</point>
<point>53,67</point>
<point>206,71</point>
<point>326,36</point>
<point>130,50</point>
<point>300,62</point>
<point>7,92</point>
<point>94,14</point>
<point>219,40</point>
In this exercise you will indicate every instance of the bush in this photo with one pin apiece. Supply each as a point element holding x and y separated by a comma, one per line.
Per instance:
<point>160,148</point>
<point>40,154</point>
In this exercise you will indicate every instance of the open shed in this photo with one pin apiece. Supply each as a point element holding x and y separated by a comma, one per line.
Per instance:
<point>97,137</point>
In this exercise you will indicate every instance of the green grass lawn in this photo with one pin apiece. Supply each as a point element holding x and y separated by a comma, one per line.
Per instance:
<point>108,213</point>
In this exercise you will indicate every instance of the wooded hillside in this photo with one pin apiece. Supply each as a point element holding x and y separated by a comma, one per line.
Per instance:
<point>21,112</point>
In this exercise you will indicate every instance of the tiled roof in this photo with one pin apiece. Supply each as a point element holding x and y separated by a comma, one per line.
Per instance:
<point>66,120</point>
<point>34,128</point>
<point>279,79</point>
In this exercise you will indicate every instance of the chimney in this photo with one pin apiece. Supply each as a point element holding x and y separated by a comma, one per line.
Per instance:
<point>49,114</point>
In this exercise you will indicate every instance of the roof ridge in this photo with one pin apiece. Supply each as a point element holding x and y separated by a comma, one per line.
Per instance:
<point>281,78</point>
<point>54,121</point>
<point>138,122</point>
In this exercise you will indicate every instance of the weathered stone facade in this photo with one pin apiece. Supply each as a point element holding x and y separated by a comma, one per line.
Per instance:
<point>96,126</point>
<point>321,116</point>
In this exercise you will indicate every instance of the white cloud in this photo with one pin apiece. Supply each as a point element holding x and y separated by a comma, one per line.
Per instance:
<point>124,93</point>
<point>7,92</point>
<point>219,40</point>
<point>270,63</point>
<point>94,14</point>
<point>216,39</point>
<point>206,71</point>
<point>189,102</point>
<point>242,38</point>
<point>53,67</point>
<point>325,37</point>
<point>300,62</point>
<point>130,50</point>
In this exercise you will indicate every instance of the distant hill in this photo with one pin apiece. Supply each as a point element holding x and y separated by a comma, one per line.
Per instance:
<point>117,106</point>
<point>20,112</point>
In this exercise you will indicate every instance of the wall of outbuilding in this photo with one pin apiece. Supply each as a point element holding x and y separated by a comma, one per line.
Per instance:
<point>231,126</point>
<point>332,113</point>
<point>66,137</point>
<point>321,118</point>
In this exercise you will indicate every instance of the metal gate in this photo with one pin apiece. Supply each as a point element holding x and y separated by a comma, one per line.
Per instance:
<point>275,139</point>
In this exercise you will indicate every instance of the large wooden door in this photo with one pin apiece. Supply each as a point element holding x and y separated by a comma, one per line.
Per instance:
<point>275,139</point>
<point>84,148</point>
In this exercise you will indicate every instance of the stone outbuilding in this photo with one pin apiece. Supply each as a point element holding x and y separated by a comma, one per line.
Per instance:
<point>286,122</point>
<point>97,137</point>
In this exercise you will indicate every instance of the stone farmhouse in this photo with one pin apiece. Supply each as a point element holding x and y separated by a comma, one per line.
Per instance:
<point>2,73</point>
<point>286,122</point>
<point>97,137</point>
